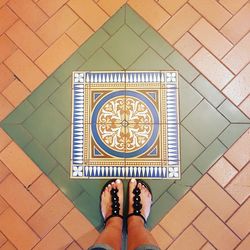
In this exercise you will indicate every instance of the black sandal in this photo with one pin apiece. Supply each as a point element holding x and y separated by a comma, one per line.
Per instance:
<point>115,202</point>
<point>137,200</point>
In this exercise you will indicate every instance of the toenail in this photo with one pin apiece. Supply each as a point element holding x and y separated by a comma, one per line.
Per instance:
<point>133,180</point>
<point>118,181</point>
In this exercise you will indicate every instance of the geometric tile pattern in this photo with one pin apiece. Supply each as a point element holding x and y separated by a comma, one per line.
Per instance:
<point>125,124</point>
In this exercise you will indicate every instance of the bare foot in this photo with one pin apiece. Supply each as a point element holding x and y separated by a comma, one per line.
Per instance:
<point>146,198</point>
<point>106,202</point>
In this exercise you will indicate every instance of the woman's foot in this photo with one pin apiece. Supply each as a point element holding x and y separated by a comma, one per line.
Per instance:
<point>106,199</point>
<point>146,199</point>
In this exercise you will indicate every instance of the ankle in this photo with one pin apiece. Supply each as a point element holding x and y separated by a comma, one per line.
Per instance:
<point>135,221</point>
<point>115,222</point>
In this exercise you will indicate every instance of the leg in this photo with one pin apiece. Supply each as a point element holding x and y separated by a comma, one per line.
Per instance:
<point>137,234</point>
<point>112,233</point>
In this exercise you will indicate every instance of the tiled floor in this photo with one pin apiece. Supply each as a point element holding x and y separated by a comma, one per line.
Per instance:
<point>207,43</point>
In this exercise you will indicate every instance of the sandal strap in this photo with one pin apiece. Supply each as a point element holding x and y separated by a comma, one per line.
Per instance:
<point>133,214</point>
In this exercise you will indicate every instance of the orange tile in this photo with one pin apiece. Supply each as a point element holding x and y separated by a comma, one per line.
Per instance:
<point>5,139</point>
<point>6,77</point>
<point>88,240</point>
<point>245,106</point>
<point>240,221</point>
<point>208,246</point>
<point>239,56</point>
<point>30,75</point>
<point>215,197</point>
<point>6,107</point>
<point>29,12</point>
<point>79,37</point>
<point>238,26</point>
<point>15,229</point>
<point>222,171</point>
<point>212,11</point>
<point>16,92</point>
<point>4,171</point>
<point>43,189</point>
<point>216,231</point>
<point>7,47</point>
<point>212,68</point>
<point>182,214</point>
<point>171,6</point>
<point>26,40</point>
<point>18,197</point>
<point>231,5</point>
<point>187,45</point>
<point>20,164</point>
<point>51,7</point>
<point>3,205</point>
<point>241,147</point>
<point>179,24</point>
<point>8,246</point>
<point>239,88</point>
<point>57,238</point>
<point>2,239</point>
<point>50,214</point>
<point>7,18</point>
<point>74,246</point>
<point>239,188</point>
<point>111,6</point>
<point>245,244</point>
<point>162,238</point>
<point>190,239</point>
<point>57,25</point>
<point>57,53</point>
<point>3,2</point>
<point>90,12</point>
<point>211,38</point>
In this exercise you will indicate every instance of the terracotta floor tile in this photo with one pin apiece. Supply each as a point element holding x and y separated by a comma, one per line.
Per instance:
<point>2,239</point>
<point>50,214</point>
<point>20,164</point>
<point>245,106</point>
<point>181,22</point>
<point>241,147</point>
<point>239,88</point>
<point>239,188</point>
<point>238,26</point>
<point>6,107</point>
<point>51,7</point>
<point>3,2</point>
<point>90,12</point>
<point>216,231</point>
<point>8,246</point>
<point>3,205</point>
<point>162,238</point>
<point>212,11</point>
<point>26,40</point>
<point>151,12</point>
<point>216,72</point>
<point>4,171</point>
<point>171,6</point>
<point>190,239</point>
<point>239,56</point>
<point>18,197</point>
<point>240,221</point>
<point>43,188</point>
<point>16,92</point>
<point>222,171</point>
<point>30,75</point>
<point>231,5</point>
<point>29,12</point>
<point>182,214</point>
<point>74,246</point>
<point>187,45</point>
<point>20,235</point>
<point>79,37</point>
<point>5,139</point>
<point>7,17</point>
<point>6,77</point>
<point>215,197</point>
<point>208,246</point>
<point>245,244</point>
<point>211,38</point>
<point>57,53</point>
<point>7,47</point>
<point>57,238</point>
<point>57,25</point>
<point>88,239</point>
<point>111,6</point>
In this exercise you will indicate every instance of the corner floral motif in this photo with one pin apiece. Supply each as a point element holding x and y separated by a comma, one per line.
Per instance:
<point>171,77</point>
<point>77,171</point>
<point>173,172</point>
<point>79,78</point>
